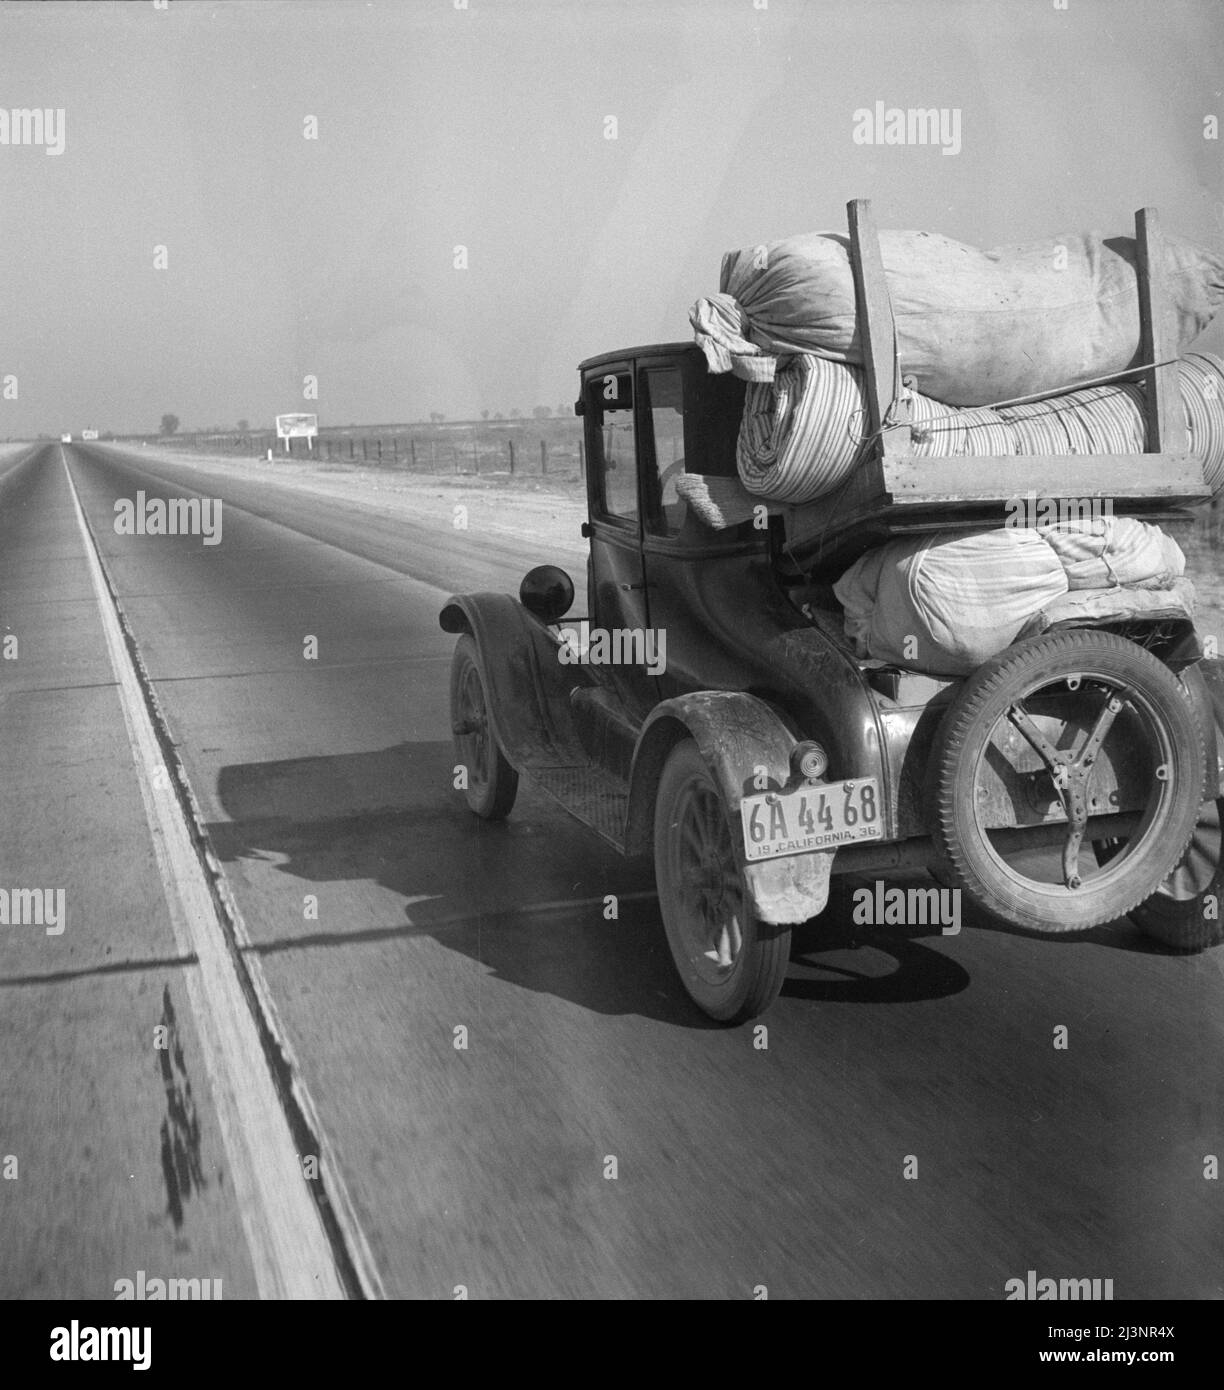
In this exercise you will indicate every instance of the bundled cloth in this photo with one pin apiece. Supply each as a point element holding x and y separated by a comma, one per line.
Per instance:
<point>972,326</point>
<point>802,434</point>
<point>945,603</point>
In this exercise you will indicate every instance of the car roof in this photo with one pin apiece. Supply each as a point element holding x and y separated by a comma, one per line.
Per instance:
<point>647,350</point>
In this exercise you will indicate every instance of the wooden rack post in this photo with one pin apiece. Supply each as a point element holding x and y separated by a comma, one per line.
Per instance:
<point>1166,418</point>
<point>877,332</point>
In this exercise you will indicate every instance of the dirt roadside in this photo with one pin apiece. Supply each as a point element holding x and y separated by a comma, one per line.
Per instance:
<point>548,511</point>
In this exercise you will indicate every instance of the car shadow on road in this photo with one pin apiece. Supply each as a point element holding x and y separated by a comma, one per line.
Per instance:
<point>833,962</point>
<point>538,901</point>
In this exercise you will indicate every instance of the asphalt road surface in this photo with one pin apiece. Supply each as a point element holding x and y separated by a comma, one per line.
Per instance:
<point>905,1126</point>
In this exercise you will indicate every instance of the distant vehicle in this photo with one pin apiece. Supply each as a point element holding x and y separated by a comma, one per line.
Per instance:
<point>65,439</point>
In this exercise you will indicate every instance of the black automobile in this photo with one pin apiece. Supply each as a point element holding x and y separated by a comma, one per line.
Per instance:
<point>710,711</point>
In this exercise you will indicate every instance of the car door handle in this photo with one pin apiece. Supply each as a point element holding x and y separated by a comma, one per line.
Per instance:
<point>628,588</point>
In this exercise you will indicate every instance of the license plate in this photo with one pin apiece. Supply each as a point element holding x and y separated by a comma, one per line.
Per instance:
<point>814,817</point>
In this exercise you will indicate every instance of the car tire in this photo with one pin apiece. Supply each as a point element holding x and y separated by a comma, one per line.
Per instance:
<point>731,964</point>
<point>965,855</point>
<point>492,784</point>
<point>1184,912</point>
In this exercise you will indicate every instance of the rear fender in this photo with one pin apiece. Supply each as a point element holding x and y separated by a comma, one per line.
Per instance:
<point>746,746</point>
<point>528,686</point>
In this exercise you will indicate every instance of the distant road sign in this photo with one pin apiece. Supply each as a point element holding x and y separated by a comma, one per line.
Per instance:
<point>297,426</point>
<point>89,434</point>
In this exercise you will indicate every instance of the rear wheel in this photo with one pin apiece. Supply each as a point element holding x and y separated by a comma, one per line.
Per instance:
<point>1184,912</point>
<point>1029,732</point>
<point>730,962</point>
<point>491,783</point>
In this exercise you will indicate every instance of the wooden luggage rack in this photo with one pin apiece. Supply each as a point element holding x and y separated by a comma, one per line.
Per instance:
<point>894,492</point>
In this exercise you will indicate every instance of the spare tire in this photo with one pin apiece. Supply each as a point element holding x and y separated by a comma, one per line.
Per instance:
<point>1087,678</point>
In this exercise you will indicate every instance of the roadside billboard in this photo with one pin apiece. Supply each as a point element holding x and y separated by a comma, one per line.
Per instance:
<point>297,427</point>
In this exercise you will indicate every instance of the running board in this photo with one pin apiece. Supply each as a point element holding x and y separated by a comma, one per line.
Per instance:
<point>593,796</point>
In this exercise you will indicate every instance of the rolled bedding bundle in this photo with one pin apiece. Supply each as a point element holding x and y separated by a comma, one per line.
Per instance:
<point>945,603</point>
<point>1112,552</point>
<point>972,326</point>
<point>803,433</point>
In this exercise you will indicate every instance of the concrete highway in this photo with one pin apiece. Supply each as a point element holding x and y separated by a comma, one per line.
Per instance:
<point>508,1095</point>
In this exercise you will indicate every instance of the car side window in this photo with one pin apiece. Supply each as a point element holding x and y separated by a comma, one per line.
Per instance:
<point>609,406</point>
<point>664,398</point>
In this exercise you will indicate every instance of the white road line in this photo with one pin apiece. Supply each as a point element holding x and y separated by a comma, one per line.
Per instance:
<point>289,1249</point>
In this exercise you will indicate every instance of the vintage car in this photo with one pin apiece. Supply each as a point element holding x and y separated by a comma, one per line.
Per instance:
<point>709,710</point>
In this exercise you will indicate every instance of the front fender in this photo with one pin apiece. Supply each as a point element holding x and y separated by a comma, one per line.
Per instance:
<point>738,735</point>
<point>529,688</point>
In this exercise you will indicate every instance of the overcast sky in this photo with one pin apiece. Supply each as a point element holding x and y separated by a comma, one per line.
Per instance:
<point>486,127</point>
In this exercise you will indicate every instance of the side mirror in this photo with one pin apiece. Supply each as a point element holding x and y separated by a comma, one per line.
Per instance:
<point>547,591</point>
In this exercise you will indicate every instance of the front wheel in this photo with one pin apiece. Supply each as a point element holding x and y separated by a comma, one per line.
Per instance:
<point>491,784</point>
<point>731,964</point>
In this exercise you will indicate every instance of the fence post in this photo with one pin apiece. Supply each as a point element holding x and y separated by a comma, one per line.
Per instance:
<point>510,442</point>
<point>412,446</point>
<point>543,457</point>
<point>581,461</point>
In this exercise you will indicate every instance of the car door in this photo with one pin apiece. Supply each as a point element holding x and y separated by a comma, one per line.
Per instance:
<point>616,584</point>
<point>704,585</point>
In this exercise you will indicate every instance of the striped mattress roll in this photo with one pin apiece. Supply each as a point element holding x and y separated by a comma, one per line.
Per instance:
<point>1038,428</point>
<point>1077,423</point>
<point>1117,417</point>
<point>938,431</point>
<point>1110,419</point>
<point>1097,420</point>
<point>986,432</point>
<point>800,435</point>
<point>1202,388</point>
